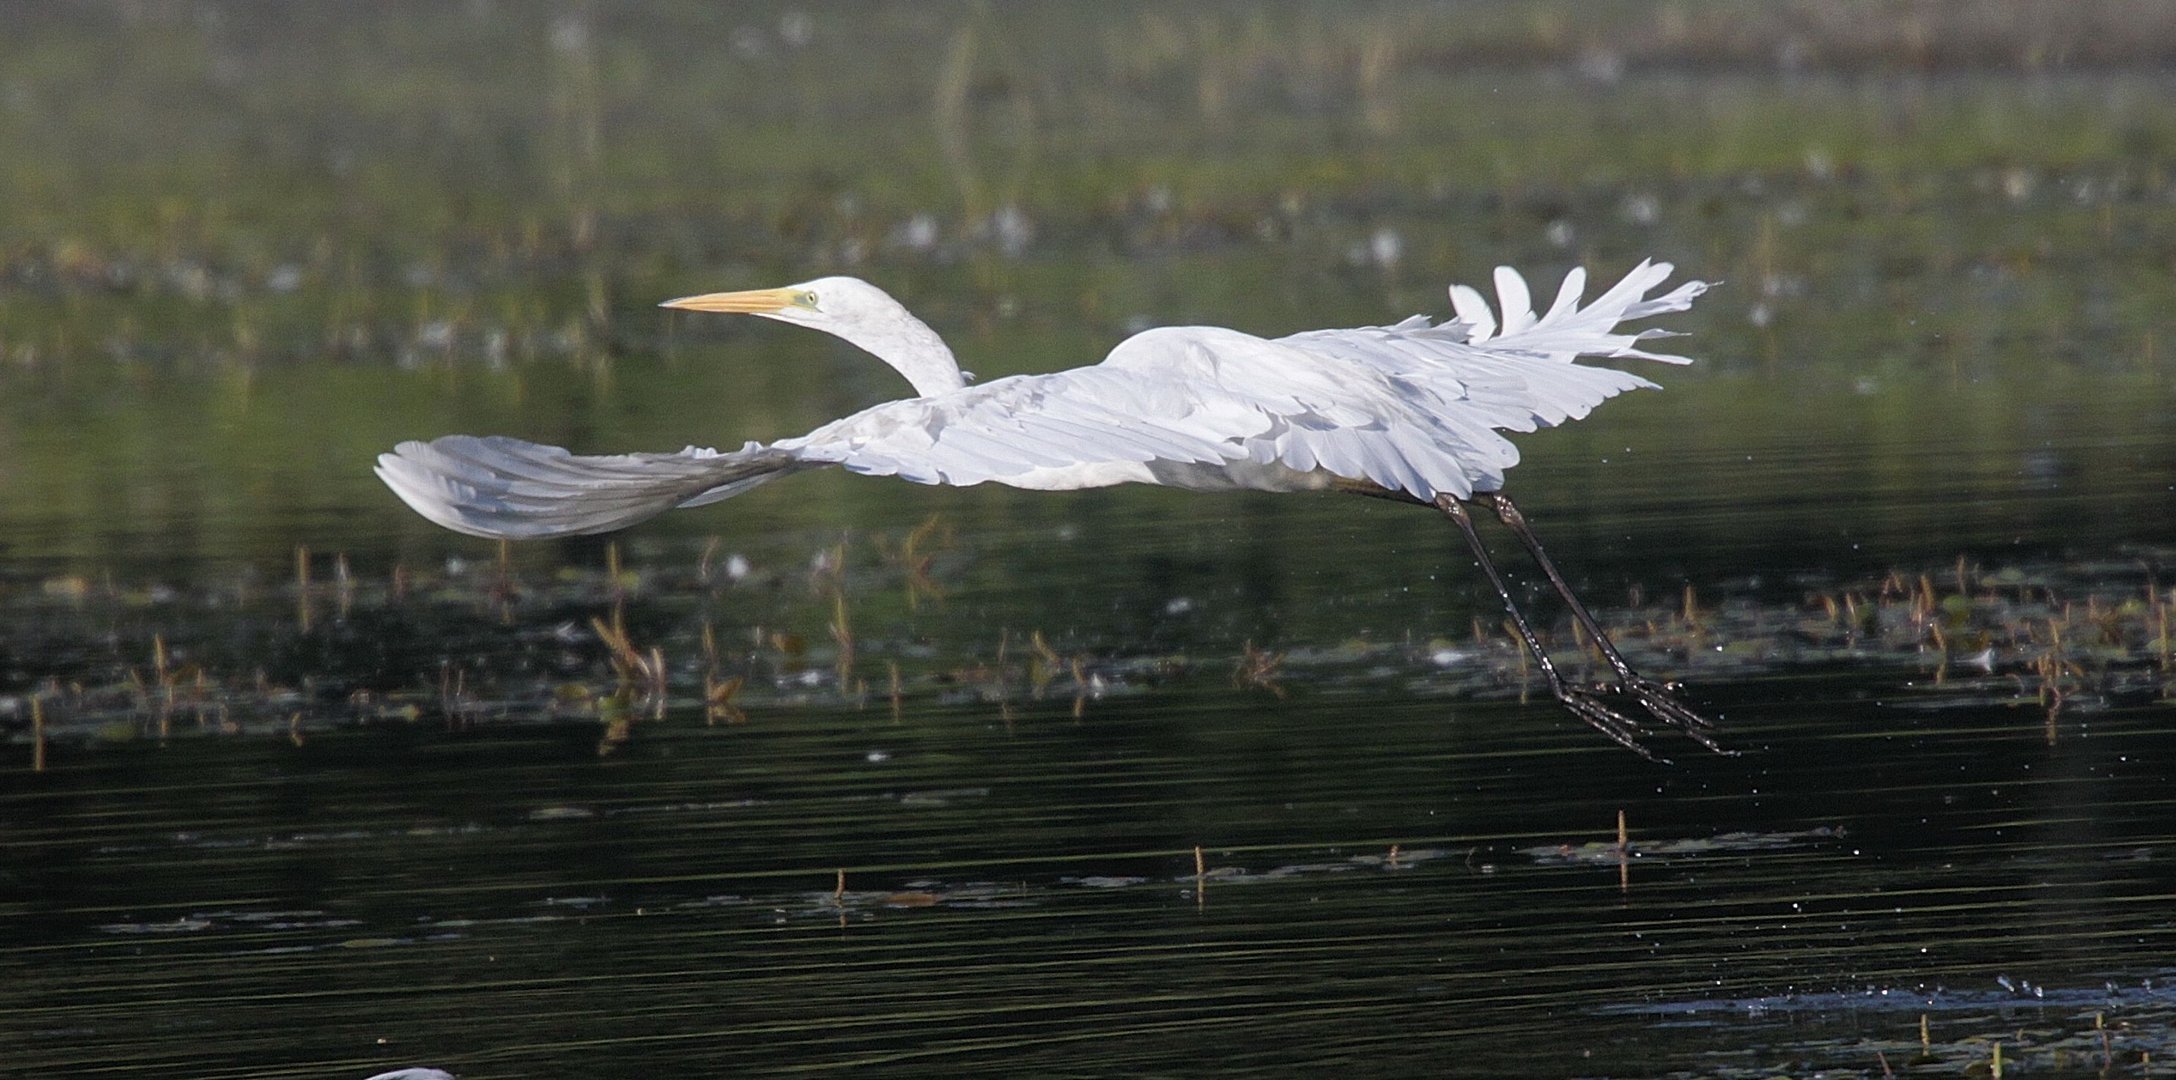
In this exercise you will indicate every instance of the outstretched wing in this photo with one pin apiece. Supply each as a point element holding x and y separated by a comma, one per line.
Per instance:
<point>1106,426</point>
<point>507,489</point>
<point>1529,357</point>
<point>1419,407</point>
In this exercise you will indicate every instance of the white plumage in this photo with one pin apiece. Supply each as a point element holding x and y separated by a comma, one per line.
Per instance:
<point>1416,408</point>
<point>1414,411</point>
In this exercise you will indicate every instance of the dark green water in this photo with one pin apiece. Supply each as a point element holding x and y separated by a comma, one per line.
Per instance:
<point>396,813</point>
<point>1022,897</point>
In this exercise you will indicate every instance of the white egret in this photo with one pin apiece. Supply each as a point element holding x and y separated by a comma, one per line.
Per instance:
<point>1412,412</point>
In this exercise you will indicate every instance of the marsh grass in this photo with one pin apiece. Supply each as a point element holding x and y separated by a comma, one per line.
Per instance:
<point>627,639</point>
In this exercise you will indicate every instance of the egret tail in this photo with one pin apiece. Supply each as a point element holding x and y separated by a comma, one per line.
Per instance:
<point>507,489</point>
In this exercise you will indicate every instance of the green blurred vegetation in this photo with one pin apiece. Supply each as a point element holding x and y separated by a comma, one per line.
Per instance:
<point>245,246</point>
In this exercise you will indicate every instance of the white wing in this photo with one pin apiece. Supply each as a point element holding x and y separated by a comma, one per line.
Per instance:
<point>503,488</point>
<point>1087,420</point>
<point>1418,407</point>
<point>1530,369</point>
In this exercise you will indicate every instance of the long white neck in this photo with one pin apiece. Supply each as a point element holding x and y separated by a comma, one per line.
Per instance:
<point>909,346</point>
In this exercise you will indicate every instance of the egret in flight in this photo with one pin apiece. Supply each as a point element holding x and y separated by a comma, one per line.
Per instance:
<point>1412,412</point>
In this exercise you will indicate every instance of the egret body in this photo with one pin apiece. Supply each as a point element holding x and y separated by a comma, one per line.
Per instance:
<point>1413,412</point>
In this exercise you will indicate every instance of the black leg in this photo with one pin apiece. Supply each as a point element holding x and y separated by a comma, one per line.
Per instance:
<point>1621,729</point>
<point>1658,698</point>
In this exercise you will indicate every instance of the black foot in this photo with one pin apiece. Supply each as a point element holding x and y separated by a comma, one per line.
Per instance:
<point>1621,729</point>
<point>1660,701</point>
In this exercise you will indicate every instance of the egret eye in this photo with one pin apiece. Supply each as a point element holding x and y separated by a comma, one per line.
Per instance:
<point>805,298</point>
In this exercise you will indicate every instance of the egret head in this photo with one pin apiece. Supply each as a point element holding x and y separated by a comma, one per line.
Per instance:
<point>831,304</point>
<point>854,310</point>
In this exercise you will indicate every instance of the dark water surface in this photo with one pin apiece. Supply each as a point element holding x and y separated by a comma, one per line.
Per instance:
<point>1392,883</point>
<point>293,784</point>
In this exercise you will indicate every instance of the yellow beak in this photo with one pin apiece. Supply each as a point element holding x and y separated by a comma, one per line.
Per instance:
<point>751,302</point>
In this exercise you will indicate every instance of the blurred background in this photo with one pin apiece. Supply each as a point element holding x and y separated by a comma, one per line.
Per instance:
<point>247,246</point>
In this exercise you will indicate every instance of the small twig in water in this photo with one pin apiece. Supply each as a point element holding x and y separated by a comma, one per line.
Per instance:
<point>1257,668</point>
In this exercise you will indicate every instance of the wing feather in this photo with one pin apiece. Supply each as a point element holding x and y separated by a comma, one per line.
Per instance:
<point>1473,311</point>
<point>1518,302</point>
<point>504,488</point>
